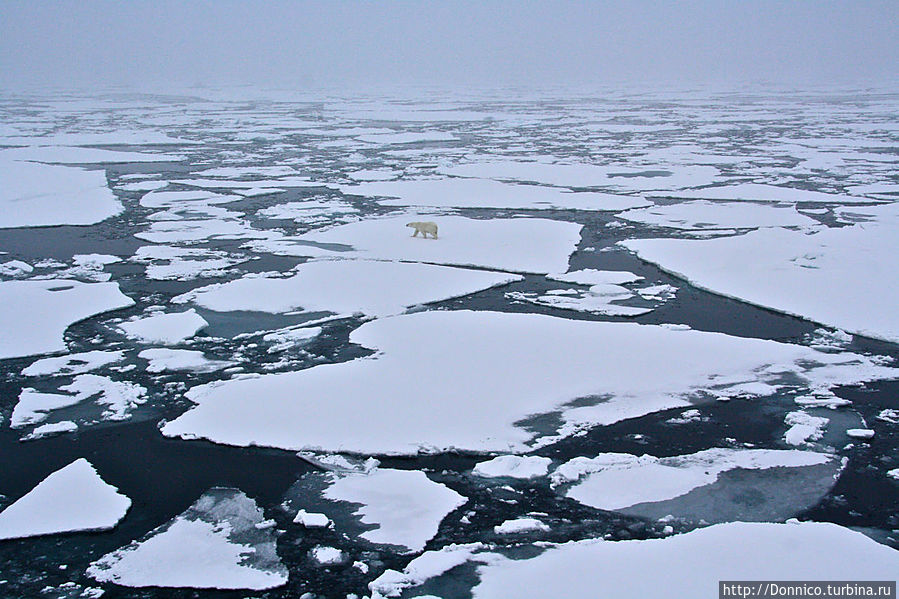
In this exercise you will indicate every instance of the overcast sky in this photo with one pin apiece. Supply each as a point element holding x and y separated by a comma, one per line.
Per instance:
<point>455,43</point>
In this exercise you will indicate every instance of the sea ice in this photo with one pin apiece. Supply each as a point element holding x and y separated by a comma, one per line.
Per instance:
<point>519,525</point>
<point>312,519</point>
<point>613,481</point>
<point>215,543</point>
<point>74,498</point>
<point>513,466</point>
<point>406,505</point>
<point>119,397</point>
<point>833,276</point>
<point>515,245</point>
<point>804,427</point>
<point>484,193</point>
<point>716,215</point>
<point>758,192</point>
<point>347,286</point>
<point>35,314</point>
<point>165,328</point>
<point>76,155</point>
<point>37,195</point>
<point>167,360</point>
<point>670,567</point>
<point>406,138</point>
<point>426,566</point>
<point>73,363</point>
<point>483,372</point>
<point>33,406</point>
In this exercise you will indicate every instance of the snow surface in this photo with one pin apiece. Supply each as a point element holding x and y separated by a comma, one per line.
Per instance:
<point>71,499</point>
<point>429,564</point>
<point>36,195</point>
<point>34,405</point>
<point>469,366</point>
<point>406,505</point>
<point>347,286</point>
<point>804,427</point>
<point>691,564</point>
<point>716,215</point>
<point>759,192</point>
<point>520,525</point>
<point>484,193</point>
<point>73,363</point>
<point>613,481</point>
<point>516,245</point>
<point>162,360</point>
<point>832,276</point>
<point>76,155</point>
<point>312,519</point>
<point>165,328</point>
<point>35,314</point>
<point>213,544</point>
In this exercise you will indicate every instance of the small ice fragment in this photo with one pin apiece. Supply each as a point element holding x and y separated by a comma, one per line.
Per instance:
<point>860,433</point>
<point>312,519</point>
<point>520,525</point>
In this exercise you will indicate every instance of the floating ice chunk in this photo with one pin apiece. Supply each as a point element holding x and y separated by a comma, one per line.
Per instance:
<point>327,556</point>
<point>308,211</point>
<point>889,415</point>
<point>162,360</point>
<point>289,338</point>
<point>36,195</point>
<point>50,429</point>
<point>76,155</point>
<point>175,199</point>
<point>196,230</point>
<point>347,286</point>
<point>894,473</point>
<point>463,361</point>
<point>73,363</point>
<point>374,175</point>
<point>406,505</point>
<point>143,186</point>
<point>168,328</point>
<point>118,397</point>
<point>596,303</point>
<point>213,544</point>
<point>669,567</point>
<point>484,193</point>
<point>33,406</point>
<point>613,481</point>
<point>714,215</point>
<point>860,433</point>
<point>804,427</point>
<point>515,245</point>
<point>406,138</point>
<point>513,466</point>
<point>590,276</point>
<point>35,314</point>
<point>233,172</point>
<point>312,519</point>
<point>290,182</point>
<point>117,137</point>
<point>828,277</point>
<point>428,565</point>
<point>687,417</point>
<point>758,192</point>
<point>15,268</point>
<point>74,498</point>
<point>520,525</point>
<point>168,262</point>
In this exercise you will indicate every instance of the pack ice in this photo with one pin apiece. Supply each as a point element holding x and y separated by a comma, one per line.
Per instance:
<point>465,380</point>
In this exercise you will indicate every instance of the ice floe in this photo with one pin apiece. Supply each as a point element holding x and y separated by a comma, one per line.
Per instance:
<point>520,525</point>
<point>35,314</point>
<point>513,466</point>
<point>215,543</point>
<point>33,406</point>
<point>484,193</point>
<point>405,505</point>
<point>670,568</point>
<point>175,263</point>
<point>73,363</point>
<point>759,192</point>
<point>803,427</point>
<point>71,499</point>
<point>347,286</point>
<point>515,245</point>
<point>613,481</point>
<point>429,564</point>
<point>38,195</point>
<point>483,372</point>
<point>165,327</point>
<point>831,276</point>
<point>716,215</point>
<point>167,360</point>
<point>76,155</point>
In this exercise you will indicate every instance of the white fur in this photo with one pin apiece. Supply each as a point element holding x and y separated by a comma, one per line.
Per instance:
<point>424,228</point>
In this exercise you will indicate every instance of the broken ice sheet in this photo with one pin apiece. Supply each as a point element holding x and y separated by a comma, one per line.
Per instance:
<point>215,543</point>
<point>35,314</point>
<point>168,360</point>
<point>73,363</point>
<point>183,264</point>
<point>758,192</point>
<point>669,567</point>
<point>71,499</point>
<point>346,286</point>
<point>166,328</point>
<point>714,485</point>
<point>718,215</point>
<point>487,374</point>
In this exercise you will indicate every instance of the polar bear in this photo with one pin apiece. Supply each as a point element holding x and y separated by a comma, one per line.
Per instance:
<point>424,228</point>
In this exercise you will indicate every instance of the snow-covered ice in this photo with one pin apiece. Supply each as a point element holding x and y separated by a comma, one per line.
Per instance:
<point>759,192</point>
<point>347,286</point>
<point>717,215</point>
<point>213,544</point>
<point>513,466</point>
<point>166,328</point>
<point>71,499</point>
<point>73,363</point>
<point>520,525</point>
<point>803,427</point>
<point>167,360</point>
<point>35,314</point>
<point>428,565</point>
<point>478,389</point>
<point>515,245</point>
<point>672,567</point>
<point>405,505</point>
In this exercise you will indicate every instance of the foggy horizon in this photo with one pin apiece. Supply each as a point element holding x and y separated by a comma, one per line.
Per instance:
<point>464,44</point>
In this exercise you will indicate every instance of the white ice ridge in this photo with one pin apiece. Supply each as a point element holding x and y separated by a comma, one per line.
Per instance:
<point>484,193</point>
<point>840,277</point>
<point>215,543</point>
<point>717,215</point>
<point>516,245</point>
<point>347,286</point>
<point>35,314</point>
<point>690,564</point>
<point>166,328</point>
<point>759,192</point>
<point>36,195</point>
<point>462,380</point>
<point>406,505</point>
<point>74,498</point>
<point>613,481</point>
